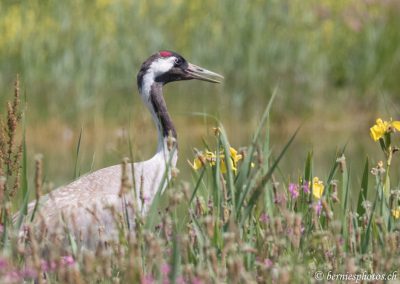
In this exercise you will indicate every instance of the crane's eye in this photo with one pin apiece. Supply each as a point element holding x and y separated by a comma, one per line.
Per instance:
<point>177,61</point>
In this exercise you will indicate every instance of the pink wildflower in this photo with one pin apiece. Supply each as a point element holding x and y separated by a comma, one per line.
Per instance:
<point>306,187</point>
<point>67,260</point>
<point>196,280</point>
<point>12,277</point>
<point>165,269</point>
<point>148,279</point>
<point>318,207</point>
<point>28,272</point>
<point>294,190</point>
<point>180,280</point>
<point>3,263</point>
<point>267,263</point>
<point>264,218</point>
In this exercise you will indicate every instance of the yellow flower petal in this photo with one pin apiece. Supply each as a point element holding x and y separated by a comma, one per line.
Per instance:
<point>235,156</point>
<point>318,188</point>
<point>234,169</point>
<point>382,123</point>
<point>396,125</point>
<point>197,164</point>
<point>210,155</point>
<point>211,158</point>
<point>396,213</point>
<point>379,129</point>
<point>376,133</point>
<point>223,167</point>
<point>233,166</point>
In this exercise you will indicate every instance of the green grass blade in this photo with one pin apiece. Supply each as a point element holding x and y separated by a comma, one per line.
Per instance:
<point>364,189</point>
<point>256,194</point>
<point>367,234</point>
<point>246,164</point>
<point>345,198</point>
<point>335,165</point>
<point>308,167</point>
<point>229,174</point>
<point>345,189</point>
<point>78,146</point>
<point>250,184</point>
<point>217,191</point>
<point>197,186</point>
<point>175,259</point>
<point>264,116</point>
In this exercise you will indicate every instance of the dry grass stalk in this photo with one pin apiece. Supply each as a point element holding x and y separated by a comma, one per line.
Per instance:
<point>13,118</point>
<point>38,176</point>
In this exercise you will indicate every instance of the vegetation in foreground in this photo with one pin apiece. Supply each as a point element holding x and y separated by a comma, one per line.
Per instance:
<point>79,59</point>
<point>239,220</point>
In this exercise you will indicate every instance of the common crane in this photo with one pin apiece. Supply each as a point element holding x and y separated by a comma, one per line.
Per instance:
<point>84,206</point>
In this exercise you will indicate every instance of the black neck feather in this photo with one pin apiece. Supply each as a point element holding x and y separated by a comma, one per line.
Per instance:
<point>160,109</point>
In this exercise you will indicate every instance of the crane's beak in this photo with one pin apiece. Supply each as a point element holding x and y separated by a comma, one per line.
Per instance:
<point>199,73</point>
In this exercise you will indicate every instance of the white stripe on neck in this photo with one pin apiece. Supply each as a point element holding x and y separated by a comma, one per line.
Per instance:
<point>158,67</point>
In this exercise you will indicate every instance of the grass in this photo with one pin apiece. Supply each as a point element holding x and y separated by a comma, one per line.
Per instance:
<point>336,64</point>
<point>242,226</point>
<point>330,58</point>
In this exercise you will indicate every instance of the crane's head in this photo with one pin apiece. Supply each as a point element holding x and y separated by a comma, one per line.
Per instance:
<point>168,66</point>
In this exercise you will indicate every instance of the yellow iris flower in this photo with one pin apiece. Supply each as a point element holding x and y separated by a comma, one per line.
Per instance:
<point>318,188</point>
<point>235,158</point>
<point>396,213</point>
<point>197,163</point>
<point>381,127</point>
<point>211,159</point>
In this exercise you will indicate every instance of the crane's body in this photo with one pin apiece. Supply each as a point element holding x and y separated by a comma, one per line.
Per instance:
<point>89,206</point>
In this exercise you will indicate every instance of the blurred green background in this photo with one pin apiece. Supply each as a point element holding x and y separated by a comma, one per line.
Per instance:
<point>337,65</point>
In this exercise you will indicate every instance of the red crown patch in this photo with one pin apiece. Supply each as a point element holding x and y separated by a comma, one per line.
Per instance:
<point>165,53</point>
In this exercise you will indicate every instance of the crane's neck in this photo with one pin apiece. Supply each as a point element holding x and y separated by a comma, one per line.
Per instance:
<point>151,93</point>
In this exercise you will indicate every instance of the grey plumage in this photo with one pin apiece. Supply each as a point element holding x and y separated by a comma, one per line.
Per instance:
<point>89,206</point>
